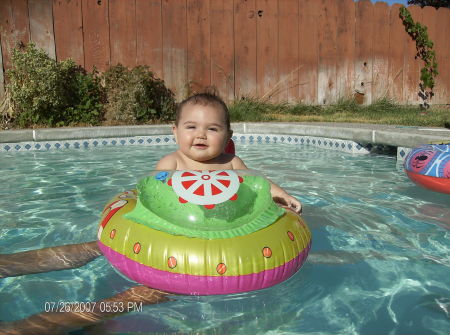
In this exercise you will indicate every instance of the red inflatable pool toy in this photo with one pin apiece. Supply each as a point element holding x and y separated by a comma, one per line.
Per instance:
<point>429,167</point>
<point>230,149</point>
<point>433,183</point>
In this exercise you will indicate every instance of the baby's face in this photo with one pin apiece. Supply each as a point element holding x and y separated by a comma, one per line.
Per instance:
<point>201,133</point>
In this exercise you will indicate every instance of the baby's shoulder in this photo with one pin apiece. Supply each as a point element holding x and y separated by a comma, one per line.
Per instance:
<point>168,162</point>
<point>237,163</point>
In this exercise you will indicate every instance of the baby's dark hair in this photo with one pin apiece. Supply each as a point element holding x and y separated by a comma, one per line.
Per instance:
<point>204,99</point>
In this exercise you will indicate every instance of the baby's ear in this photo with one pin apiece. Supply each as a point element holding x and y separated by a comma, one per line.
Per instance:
<point>174,132</point>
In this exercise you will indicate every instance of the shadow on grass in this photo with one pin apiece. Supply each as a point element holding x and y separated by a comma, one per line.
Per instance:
<point>383,111</point>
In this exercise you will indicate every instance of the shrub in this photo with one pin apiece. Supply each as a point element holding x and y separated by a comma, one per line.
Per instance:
<point>90,97</point>
<point>424,51</point>
<point>137,96</point>
<point>45,92</point>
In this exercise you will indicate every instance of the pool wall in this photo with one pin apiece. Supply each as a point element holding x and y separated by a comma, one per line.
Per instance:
<point>346,137</point>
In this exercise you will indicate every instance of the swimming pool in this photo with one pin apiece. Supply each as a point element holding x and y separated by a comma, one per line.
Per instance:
<point>379,262</point>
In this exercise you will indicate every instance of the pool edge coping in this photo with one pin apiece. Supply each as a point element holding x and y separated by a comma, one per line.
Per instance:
<point>398,136</point>
<point>402,137</point>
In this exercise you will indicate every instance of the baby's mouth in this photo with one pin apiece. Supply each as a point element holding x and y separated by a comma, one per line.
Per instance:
<point>200,146</point>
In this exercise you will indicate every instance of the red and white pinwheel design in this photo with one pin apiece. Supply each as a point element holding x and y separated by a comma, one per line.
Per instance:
<point>206,188</point>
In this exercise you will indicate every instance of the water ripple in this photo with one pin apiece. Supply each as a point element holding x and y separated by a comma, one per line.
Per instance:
<point>379,264</point>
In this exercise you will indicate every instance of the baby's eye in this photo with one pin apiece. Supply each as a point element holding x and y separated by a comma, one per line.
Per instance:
<point>213,129</point>
<point>190,127</point>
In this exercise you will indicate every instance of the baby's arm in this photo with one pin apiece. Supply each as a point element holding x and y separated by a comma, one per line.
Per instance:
<point>279,195</point>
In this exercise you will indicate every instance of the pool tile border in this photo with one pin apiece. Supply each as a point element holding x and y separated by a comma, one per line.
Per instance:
<point>346,137</point>
<point>322,142</point>
<point>87,143</point>
<point>402,152</point>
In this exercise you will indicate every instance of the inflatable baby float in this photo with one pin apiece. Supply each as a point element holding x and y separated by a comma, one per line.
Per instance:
<point>429,166</point>
<point>203,232</point>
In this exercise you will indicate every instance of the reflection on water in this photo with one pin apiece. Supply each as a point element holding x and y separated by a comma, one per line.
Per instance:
<point>379,262</point>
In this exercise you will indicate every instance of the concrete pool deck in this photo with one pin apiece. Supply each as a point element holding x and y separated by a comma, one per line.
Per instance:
<point>397,136</point>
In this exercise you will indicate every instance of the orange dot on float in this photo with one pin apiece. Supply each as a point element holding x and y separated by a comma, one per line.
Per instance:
<point>137,247</point>
<point>112,234</point>
<point>172,262</point>
<point>291,236</point>
<point>221,269</point>
<point>267,252</point>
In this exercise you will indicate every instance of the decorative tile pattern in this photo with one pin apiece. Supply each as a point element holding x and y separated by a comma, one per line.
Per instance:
<point>402,153</point>
<point>87,143</point>
<point>321,142</point>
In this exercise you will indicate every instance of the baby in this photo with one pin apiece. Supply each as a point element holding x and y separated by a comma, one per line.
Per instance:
<point>202,131</point>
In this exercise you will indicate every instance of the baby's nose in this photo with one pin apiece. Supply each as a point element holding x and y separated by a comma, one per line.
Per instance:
<point>201,133</point>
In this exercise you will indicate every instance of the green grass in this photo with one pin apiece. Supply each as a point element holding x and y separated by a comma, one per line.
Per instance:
<point>380,112</point>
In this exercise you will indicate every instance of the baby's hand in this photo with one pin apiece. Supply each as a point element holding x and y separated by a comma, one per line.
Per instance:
<point>289,202</point>
<point>294,204</point>
<point>284,199</point>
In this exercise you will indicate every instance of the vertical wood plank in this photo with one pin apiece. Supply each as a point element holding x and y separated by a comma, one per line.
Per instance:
<point>396,48</point>
<point>175,46</point>
<point>363,48</point>
<point>245,48</point>
<point>442,47</point>
<point>380,50</point>
<point>288,67</point>
<point>267,49</point>
<point>68,25</point>
<point>96,35</point>
<point>222,48</point>
<point>308,50</point>
<point>327,91</point>
<point>6,37</point>
<point>429,20</point>
<point>345,40</point>
<point>2,76</point>
<point>198,43</point>
<point>411,64</point>
<point>149,35</point>
<point>14,27</point>
<point>122,21</point>
<point>41,25</point>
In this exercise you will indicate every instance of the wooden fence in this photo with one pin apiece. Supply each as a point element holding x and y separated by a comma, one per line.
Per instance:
<point>313,51</point>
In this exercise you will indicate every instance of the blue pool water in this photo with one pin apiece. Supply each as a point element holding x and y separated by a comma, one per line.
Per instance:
<point>379,263</point>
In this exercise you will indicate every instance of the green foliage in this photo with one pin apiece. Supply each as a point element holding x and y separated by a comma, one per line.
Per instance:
<point>252,109</point>
<point>90,97</point>
<point>137,96</point>
<point>42,91</point>
<point>45,92</point>
<point>433,3</point>
<point>424,48</point>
